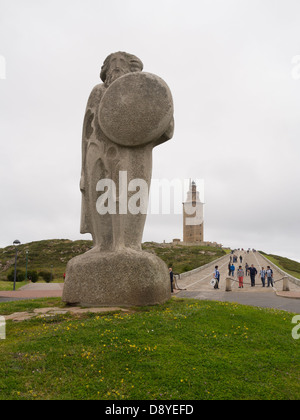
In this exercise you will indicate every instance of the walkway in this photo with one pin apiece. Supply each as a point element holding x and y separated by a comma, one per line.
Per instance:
<point>198,286</point>
<point>33,291</point>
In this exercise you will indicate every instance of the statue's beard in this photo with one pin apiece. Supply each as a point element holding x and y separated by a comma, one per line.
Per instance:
<point>114,75</point>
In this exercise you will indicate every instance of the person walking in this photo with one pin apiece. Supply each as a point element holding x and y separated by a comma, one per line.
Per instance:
<point>232,270</point>
<point>252,270</point>
<point>229,268</point>
<point>171,278</point>
<point>263,274</point>
<point>217,277</point>
<point>246,269</point>
<point>269,274</point>
<point>240,274</point>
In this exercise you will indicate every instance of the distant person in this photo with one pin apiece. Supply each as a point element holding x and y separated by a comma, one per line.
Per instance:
<point>241,259</point>
<point>270,276</point>
<point>171,279</point>
<point>240,275</point>
<point>252,271</point>
<point>247,269</point>
<point>229,269</point>
<point>217,277</point>
<point>263,274</point>
<point>232,270</point>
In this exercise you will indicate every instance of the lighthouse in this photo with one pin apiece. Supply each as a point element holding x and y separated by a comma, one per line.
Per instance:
<point>193,223</point>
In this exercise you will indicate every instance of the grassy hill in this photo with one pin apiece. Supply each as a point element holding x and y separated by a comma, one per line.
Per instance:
<point>184,258</point>
<point>53,255</point>
<point>48,255</point>
<point>289,266</point>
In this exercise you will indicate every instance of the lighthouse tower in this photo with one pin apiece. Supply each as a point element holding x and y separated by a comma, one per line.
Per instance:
<point>193,229</point>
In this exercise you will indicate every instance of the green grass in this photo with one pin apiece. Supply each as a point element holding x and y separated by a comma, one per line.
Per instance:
<point>185,258</point>
<point>185,349</point>
<point>7,308</point>
<point>47,255</point>
<point>5,285</point>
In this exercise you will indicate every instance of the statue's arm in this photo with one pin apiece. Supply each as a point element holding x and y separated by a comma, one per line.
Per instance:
<point>89,128</point>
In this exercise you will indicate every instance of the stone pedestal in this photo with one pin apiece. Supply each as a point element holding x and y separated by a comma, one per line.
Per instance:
<point>228,284</point>
<point>123,278</point>
<point>286,286</point>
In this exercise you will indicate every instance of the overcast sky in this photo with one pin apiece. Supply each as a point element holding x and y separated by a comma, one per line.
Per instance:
<point>233,71</point>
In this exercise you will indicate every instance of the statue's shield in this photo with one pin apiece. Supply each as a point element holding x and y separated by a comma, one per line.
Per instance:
<point>136,109</point>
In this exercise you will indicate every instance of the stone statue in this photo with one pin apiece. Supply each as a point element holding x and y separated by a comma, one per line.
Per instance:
<point>126,117</point>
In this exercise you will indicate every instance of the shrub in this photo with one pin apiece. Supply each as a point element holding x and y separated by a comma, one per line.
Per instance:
<point>33,276</point>
<point>46,276</point>
<point>20,275</point>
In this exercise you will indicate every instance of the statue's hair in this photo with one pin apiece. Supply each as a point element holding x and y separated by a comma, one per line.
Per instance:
<point>135,64</point>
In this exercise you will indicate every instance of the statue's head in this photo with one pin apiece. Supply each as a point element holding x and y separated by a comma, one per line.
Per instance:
<point>118,64</point>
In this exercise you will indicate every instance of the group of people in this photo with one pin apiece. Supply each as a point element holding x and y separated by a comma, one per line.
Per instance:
<point>234,259</point>
<point>265,275</point>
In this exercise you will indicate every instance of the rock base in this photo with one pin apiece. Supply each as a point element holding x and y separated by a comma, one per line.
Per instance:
<point>124,278</point>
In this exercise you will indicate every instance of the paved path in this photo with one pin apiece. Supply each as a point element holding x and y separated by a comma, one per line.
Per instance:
<point>33,291</point>
<point>198,286</point>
